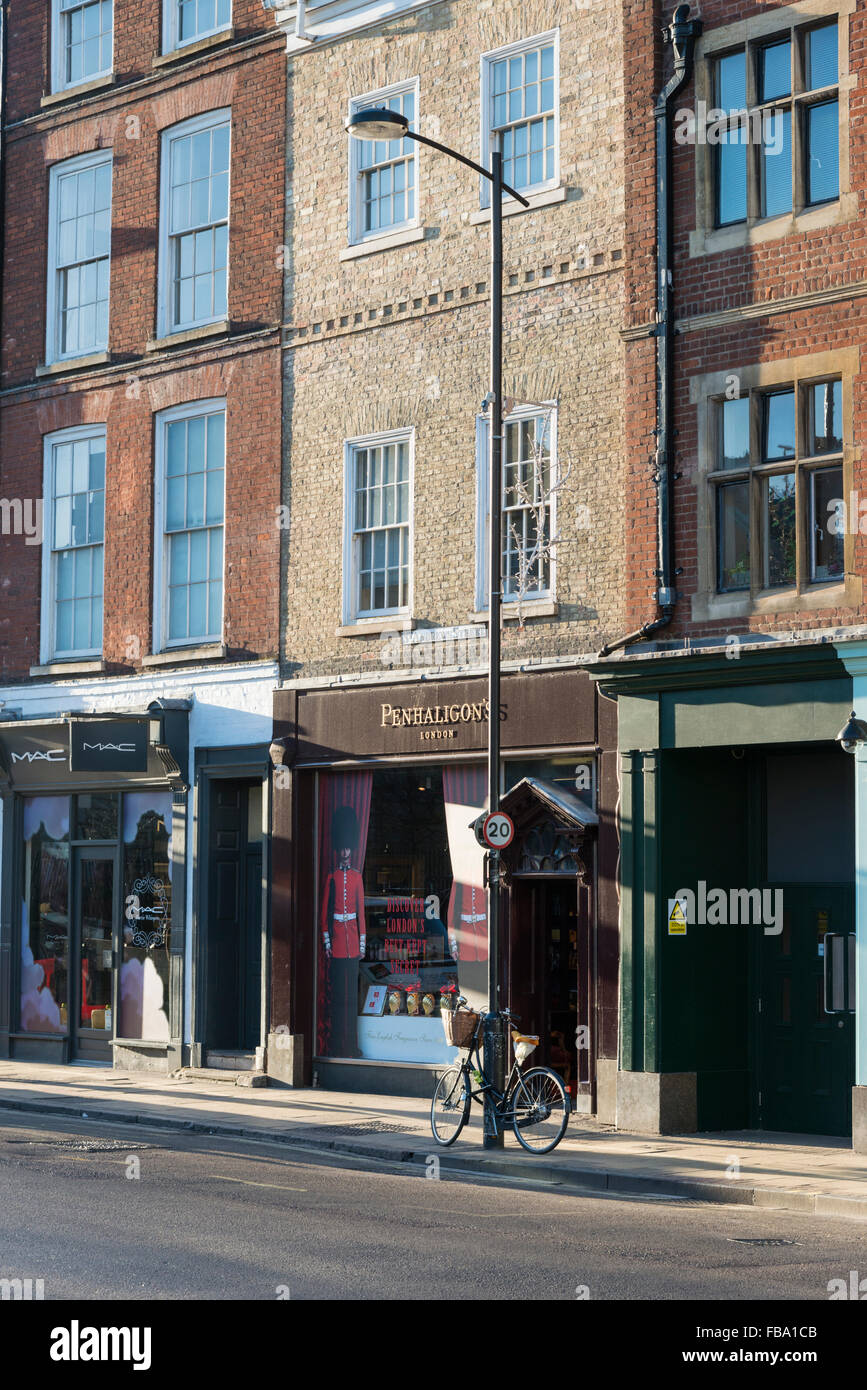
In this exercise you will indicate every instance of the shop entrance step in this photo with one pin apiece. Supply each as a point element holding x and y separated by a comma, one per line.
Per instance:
<point>241,1077</point>
<point>233,1060</point>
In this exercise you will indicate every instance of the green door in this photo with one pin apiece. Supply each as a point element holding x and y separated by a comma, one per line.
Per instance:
<point>805,1029</point>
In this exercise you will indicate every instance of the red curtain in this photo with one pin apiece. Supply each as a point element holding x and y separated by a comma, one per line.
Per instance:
<point>352,789</point>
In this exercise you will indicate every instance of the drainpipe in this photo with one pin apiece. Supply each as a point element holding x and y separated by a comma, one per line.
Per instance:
<point>681,34</point>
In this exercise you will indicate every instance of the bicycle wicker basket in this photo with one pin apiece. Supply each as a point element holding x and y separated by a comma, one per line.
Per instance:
<point>460,1026</point>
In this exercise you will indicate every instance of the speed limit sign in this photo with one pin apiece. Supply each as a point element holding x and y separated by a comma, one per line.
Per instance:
<point>498,830</point>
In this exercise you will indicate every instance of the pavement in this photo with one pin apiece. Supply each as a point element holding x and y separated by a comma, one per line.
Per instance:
<point>814,1175</point>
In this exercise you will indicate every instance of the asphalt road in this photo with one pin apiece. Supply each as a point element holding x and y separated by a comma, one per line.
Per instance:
<point>211,1219</point>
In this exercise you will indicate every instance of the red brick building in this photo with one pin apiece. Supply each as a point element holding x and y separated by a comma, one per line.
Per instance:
<point>140,441</point>
<point>745,412</point>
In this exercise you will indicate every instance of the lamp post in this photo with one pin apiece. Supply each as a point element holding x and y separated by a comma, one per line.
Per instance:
<point>378,123</point>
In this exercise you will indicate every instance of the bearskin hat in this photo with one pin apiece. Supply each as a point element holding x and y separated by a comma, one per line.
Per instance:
<point>344,828</point>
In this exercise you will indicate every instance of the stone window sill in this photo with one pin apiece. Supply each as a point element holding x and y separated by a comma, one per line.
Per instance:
<point>82,89</point>
<point>511,207</point>
<point>708,241</point>
<point>189,335</point>
<point>707,607</point>
<point>180,656</point>
<point>532,608</point>
<point>73,364</point>
<point>382,243</point>
<point>366,627</point>
<point>189,50</point>
<point>69,668</point>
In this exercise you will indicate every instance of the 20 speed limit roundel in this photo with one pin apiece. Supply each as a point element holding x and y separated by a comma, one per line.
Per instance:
<point>498,830</point>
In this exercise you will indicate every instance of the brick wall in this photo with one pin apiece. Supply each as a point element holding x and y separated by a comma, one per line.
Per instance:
<point>248,74</point>
<point>820,268</point>
<point>137,41</point>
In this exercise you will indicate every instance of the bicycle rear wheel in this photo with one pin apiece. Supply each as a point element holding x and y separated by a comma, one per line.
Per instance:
<point>541,1108</point>
<point>450,1106</point>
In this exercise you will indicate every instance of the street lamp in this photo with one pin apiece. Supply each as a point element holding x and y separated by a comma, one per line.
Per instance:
<point>379,123</point>
<point>853,732</point>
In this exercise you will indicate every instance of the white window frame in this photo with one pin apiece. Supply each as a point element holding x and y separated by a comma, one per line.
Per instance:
<point>356,222</point>
<point>52,305</point>
<point>189,410</point>
<point>485,144</point>
<point>58,53</point>
<point>47,651</point>
<point>172,41</point>
<point>164,287</point>
<point>351,615</point>
<point>521,412</point>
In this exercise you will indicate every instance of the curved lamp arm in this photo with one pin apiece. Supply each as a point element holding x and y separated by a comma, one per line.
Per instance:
<point>470,163</point>
<point>381,123</point>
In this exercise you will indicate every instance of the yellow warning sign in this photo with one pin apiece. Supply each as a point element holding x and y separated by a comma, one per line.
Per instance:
<point>676,918</point>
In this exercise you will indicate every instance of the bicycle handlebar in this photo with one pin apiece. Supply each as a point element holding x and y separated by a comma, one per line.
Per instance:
<point>504,1013</point>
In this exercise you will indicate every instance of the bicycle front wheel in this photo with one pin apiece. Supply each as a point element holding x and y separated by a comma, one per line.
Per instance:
<point>541,1110</point>
<point>450,1106</point>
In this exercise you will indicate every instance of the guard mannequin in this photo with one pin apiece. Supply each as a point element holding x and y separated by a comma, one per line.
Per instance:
<point>468,923</point>
<point>344,932</point>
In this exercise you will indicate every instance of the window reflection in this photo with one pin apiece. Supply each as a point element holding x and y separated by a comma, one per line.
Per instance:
<point>144,971</point>
<point>45,915</point>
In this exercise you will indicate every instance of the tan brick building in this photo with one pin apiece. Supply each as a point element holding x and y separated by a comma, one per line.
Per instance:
<point>391,332</point>
<point>386,367</point>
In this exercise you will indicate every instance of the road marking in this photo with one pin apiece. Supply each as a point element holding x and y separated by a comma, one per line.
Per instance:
<point>449,1211</point>
<point>246,1182</point>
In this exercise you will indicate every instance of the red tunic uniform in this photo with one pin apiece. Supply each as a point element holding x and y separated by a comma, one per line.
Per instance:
<point>343,913</point>
<point>468,921</point>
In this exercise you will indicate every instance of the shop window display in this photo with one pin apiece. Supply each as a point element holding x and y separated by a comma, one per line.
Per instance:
<point>45,915</point>
<point>147,893</point>
<point>402,910</point>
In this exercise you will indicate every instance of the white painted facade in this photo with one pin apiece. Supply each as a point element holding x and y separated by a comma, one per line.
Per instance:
<point>311,22</point>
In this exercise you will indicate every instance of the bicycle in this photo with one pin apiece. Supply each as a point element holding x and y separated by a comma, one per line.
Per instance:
<point>536,1101</point>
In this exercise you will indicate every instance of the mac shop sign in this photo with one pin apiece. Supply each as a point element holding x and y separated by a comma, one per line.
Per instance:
<point>108,746</point>
<point>42,755</point>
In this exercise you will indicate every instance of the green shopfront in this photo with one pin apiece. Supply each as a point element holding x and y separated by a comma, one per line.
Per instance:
<point>737,918</point>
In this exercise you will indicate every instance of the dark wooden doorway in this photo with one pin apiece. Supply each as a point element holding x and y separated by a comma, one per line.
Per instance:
<point>544,951</point>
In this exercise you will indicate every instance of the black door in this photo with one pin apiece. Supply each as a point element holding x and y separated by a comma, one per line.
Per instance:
<point>233,930</point>
<point>806,1029</point>
<point>94,951</point>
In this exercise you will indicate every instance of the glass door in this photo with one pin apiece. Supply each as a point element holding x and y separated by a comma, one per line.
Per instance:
<point>95,916</point>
